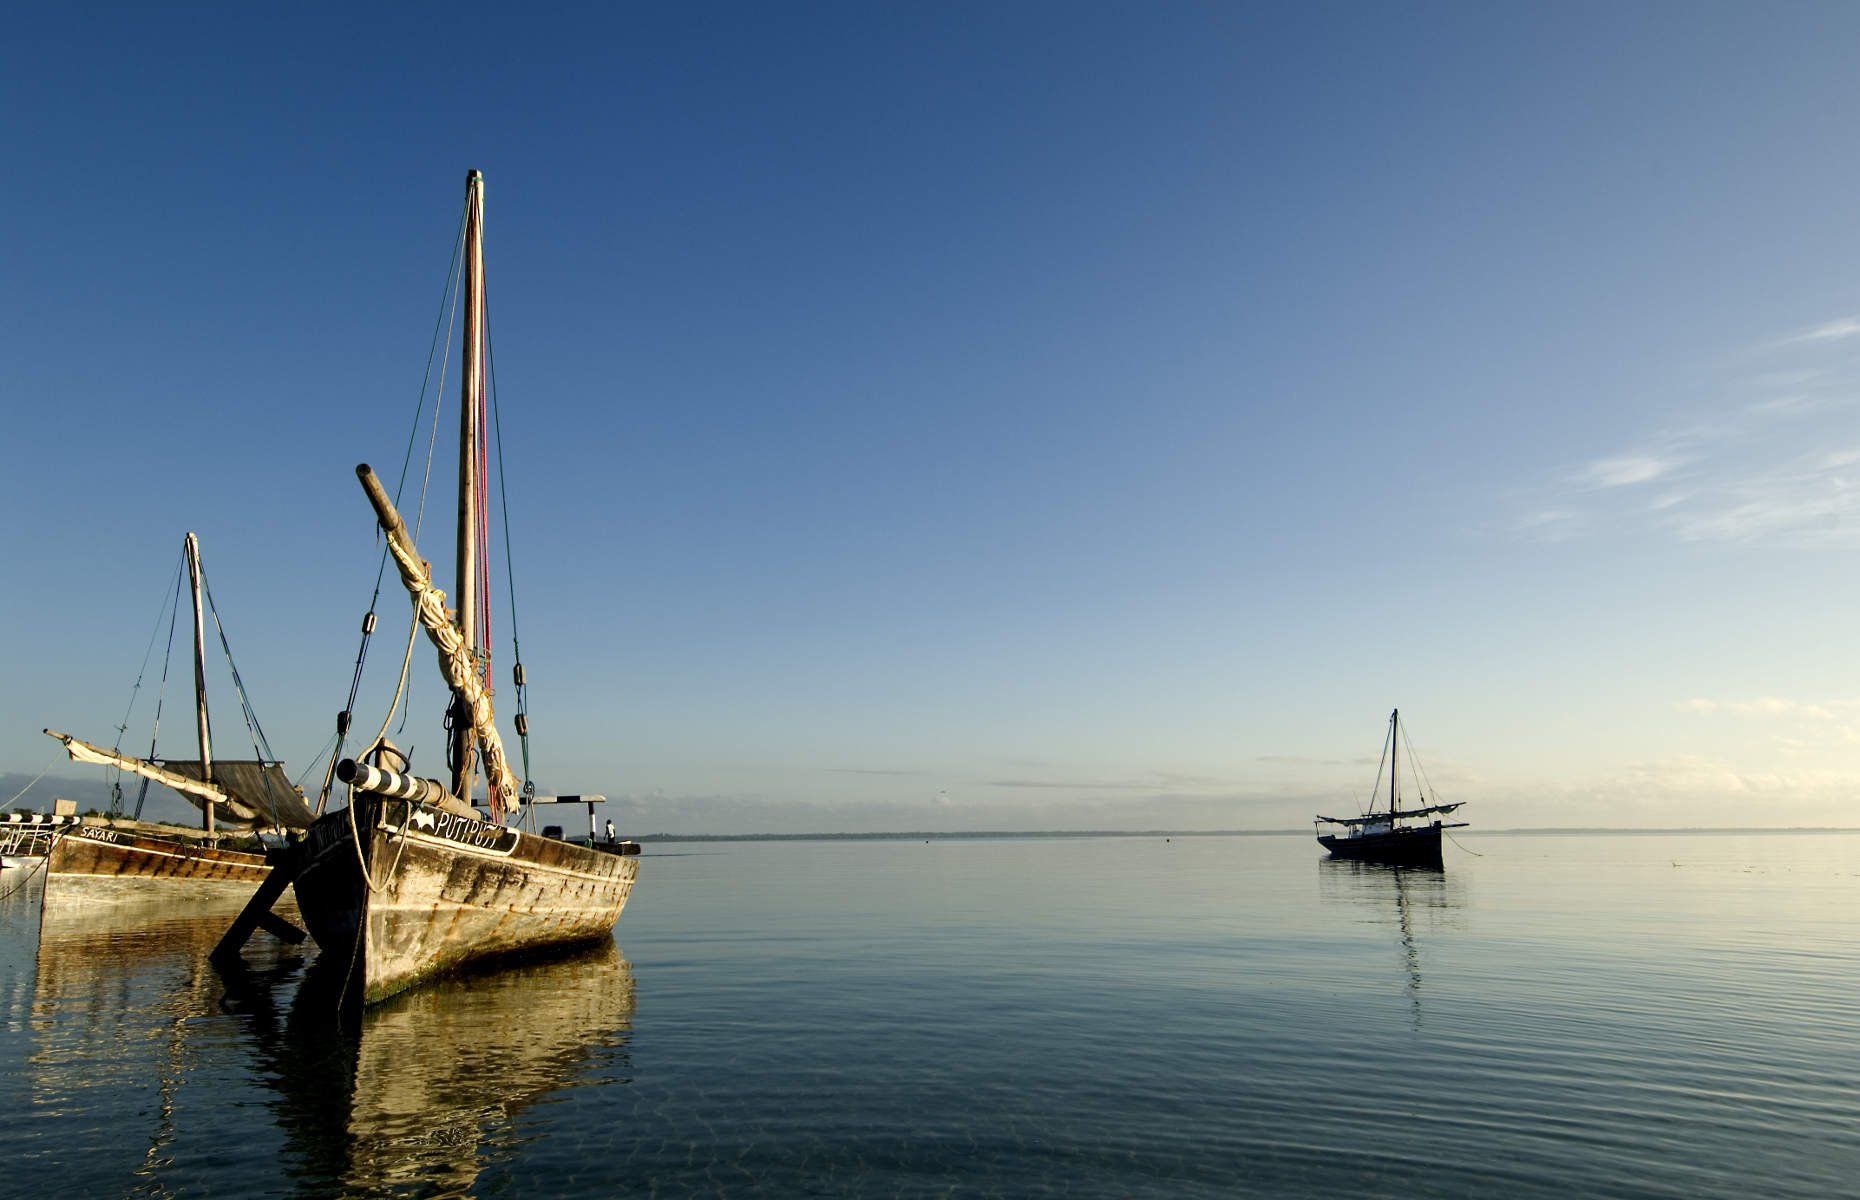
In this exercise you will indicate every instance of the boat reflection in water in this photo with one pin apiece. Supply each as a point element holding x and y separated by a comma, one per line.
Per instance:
<point>418,1095</point>
<point>120,1007</point>
<point>1407,901</point>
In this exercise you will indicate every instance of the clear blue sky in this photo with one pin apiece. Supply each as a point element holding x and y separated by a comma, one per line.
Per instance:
<point>976,416</point>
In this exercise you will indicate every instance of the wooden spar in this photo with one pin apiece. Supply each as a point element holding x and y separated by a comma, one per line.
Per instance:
<point>369,778</point>
<point>455,661</point>
<point>200,680</point>
<point>83,751</point>
<point>257,912</point>
<point>471,384</point>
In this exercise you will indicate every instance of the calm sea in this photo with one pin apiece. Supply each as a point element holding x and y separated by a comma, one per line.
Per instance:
<point>1584,1015</point>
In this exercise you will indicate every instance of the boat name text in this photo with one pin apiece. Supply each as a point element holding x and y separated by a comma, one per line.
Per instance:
<point>456,828</point>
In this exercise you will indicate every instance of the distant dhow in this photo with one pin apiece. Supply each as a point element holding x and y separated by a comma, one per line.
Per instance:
<point>1397,836</point>
<point>100,862</point>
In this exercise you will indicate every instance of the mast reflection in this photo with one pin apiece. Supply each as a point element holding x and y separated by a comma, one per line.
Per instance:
<point>1404,899</point>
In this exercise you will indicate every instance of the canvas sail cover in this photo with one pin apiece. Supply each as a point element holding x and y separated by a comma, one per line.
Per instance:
<point>242,793</point>
<point>257,794</point>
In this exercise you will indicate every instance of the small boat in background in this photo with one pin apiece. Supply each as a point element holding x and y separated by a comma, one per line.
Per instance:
<point>1397,836</point>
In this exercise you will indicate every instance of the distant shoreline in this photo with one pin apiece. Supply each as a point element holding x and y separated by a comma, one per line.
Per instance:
<point>1006,835</point>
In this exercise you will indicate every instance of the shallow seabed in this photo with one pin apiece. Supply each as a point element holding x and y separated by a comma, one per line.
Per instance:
<point>1588,1015</point>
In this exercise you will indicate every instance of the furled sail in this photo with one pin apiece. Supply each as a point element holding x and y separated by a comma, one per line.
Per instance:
<point>454,660</point>
<point>243,792</point>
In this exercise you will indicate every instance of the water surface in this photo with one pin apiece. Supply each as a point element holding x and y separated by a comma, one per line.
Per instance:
<point>1597,1015</point>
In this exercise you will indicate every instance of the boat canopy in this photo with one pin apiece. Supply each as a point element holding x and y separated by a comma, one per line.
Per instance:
<point>1371,818</point>
<point>244,792</point>
<point>262,790</point>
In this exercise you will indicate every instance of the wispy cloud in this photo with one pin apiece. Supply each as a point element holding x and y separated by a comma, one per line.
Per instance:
<point>1075,785</point>
<point>1627,469</point>
<point>1180,779</point>
<point>1752,467</point>
<point>872,771</point>
<point>1791,405</point>
<point>1149,781</point>
<point>1553,524</point>
<point>1836,330</point>
<point>1763,705</point>
<point>1812,499</point>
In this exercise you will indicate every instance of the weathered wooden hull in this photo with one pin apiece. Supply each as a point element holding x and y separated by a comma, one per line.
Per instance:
<point>1416,847</point>
<point>95,864</point>
<point>442,891</point>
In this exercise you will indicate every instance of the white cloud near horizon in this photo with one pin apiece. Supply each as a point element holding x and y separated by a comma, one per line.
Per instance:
<point>1767,705</point>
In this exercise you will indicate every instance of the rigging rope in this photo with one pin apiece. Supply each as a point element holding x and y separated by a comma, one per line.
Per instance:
<point>1381,762</point>
<point>35,779</point>
<point>35,868</point>
<point>261,746</point>
<point>1420,769</point>
<point>161,697</point>
<point>400,689</point>
<point>510,572</point>
<point>439,394</point>
<point>444,319</point>
<point>171,598</point>
<point>454,283</point>
<point>334,740</point>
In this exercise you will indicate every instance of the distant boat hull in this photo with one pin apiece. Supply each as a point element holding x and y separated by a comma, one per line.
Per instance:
<point>442,891</point>
<point>24,841</point>
<point>94,863</point>
<point>1415,847</point>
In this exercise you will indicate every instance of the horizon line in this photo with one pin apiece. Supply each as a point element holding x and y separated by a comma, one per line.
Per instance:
<point>930,834</point>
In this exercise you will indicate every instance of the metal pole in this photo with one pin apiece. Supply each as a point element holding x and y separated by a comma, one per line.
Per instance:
<point>200,681</point>
<point>1394,756</point>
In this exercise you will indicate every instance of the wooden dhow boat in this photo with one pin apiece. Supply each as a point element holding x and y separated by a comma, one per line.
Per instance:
<point>1397,836</point>
<point>408,881</point>
<point>237,798</point>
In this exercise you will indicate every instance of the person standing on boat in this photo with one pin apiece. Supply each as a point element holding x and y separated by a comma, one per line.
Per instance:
<point>610,829</point>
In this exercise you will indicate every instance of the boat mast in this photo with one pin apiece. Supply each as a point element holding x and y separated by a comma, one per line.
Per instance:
<point>200,682</point>
<point>1394,756</point>
<point>464,766</point>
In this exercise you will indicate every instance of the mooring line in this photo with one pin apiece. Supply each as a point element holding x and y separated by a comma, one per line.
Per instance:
<point>1457,842</point>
